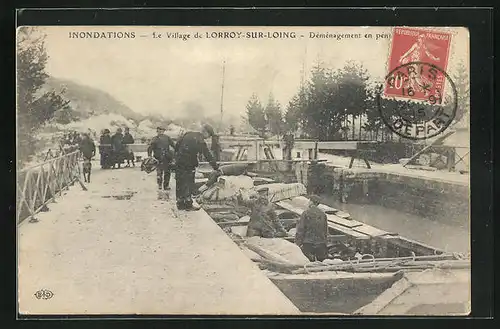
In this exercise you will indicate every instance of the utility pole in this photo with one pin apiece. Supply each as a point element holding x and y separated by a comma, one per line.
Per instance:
<point>222,94</point>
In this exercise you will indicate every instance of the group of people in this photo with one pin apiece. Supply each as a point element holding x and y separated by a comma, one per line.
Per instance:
<point>311,230</point>
<point>183,156</point>
<point>114,149</point>
<point>71,138</point>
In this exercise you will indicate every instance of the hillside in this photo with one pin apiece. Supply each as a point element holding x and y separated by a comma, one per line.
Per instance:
<point>92,110</point>
<point>87,101</point>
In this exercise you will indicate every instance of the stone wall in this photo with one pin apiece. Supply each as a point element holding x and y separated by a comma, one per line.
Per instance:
<point>445,202</point>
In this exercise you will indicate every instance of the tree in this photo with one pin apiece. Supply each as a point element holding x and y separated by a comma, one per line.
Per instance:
<point>353,91</point>
<point>373,121</point>
<point>330,95</point>
<point>274,116</point>
<point>330,102</point>
<point>317,114</point>
<point>65,113</point>
<point>34,107</point>
<point>294,118</point>
<point>256,116</point>
<point>462,83</point>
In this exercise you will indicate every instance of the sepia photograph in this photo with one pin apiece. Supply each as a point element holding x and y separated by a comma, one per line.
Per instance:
<point>245,170</point>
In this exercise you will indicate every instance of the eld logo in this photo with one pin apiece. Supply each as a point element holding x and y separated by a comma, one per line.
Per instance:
<point>44,294</point>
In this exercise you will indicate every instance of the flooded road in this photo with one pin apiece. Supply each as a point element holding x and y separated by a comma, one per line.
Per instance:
<point>433,233</point>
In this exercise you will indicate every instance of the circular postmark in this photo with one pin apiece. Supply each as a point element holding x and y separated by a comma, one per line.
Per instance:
<point>420,100</point>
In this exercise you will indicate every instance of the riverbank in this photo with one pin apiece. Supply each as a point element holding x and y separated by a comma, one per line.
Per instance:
<point>437,196</point>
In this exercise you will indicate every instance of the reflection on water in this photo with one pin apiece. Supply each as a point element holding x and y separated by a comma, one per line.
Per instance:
<point>435,234</point>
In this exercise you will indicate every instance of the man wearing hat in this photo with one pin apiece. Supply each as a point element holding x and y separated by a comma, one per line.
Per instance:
<point>312,231</point>
<point>187,149</point>
<point>161,147</point>
<point>105,149</point>
<point>263,219</point>
<point>127,140</point>
<point>118,148</point>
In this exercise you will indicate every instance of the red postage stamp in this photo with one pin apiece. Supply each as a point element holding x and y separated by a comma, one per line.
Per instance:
<point>419,46</point>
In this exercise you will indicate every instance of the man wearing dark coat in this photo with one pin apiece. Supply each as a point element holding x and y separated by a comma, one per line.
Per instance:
<point>87,147</point>
<point>127,140</point>
<point>312,232</point>
<point>118,148</point>
<point>215,147</point>
<point>263,219</point>
<point>105,149</point>
<point>76,138</point>
<point>162,148</point>
<point>187,149</point>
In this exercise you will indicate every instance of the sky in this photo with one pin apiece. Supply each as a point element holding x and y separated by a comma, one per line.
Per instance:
<point>164,76</point>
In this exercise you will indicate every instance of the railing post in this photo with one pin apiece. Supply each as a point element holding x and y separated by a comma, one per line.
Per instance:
<point>59,174</point>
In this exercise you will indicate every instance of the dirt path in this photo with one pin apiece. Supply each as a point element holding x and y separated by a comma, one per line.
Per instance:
<point>116,249</point>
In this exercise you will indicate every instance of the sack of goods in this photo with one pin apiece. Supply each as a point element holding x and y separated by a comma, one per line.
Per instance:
<point>281,191</point>
<point>278,250</point>
<point>149,165</point>
<point>226,187</point>
<point>235,169</point>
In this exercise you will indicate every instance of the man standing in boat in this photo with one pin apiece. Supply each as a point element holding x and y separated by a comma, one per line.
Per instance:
<point>161,147</point>
<point>187,149</point>
<point>312,232</point>
<point>263,219</point>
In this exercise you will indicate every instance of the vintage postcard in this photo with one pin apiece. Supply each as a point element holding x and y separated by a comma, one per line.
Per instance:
<point>243,170</point>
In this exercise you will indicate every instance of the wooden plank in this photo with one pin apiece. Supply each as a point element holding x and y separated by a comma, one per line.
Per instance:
<point>331,238</point>
<point>231,224</point>
<point>304,145</point>
<point>348,231</point>
<point>338,145</point>
<point>416,246</point>
<point>370,230</point>
<point>37,186</point>
<point>334,218</point>
<point>339,217</point>
<point>333,225</point>
<point>350,223</point>
<point>333,211</point>
<point>326,208</point>
<point>31,211</point>
<point>437,141</point>
<point>385,298</point>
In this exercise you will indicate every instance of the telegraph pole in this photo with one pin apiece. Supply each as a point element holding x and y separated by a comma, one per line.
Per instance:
<point>222,94</point>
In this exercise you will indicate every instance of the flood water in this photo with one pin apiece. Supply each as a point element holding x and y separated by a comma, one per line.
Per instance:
<point>433,233</point>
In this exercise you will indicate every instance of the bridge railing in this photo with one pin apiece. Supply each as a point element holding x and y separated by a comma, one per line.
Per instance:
<point>40,184</point>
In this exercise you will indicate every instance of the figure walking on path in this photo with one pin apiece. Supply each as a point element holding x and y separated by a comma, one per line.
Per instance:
<point>127,140</point>
<point>161,147</point>
<point>105,149</point>
<point>87,147</point>
<point>118,149</point>
<point>187,149</point>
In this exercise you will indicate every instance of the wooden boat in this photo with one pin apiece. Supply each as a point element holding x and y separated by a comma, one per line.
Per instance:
<point>365,285</point>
